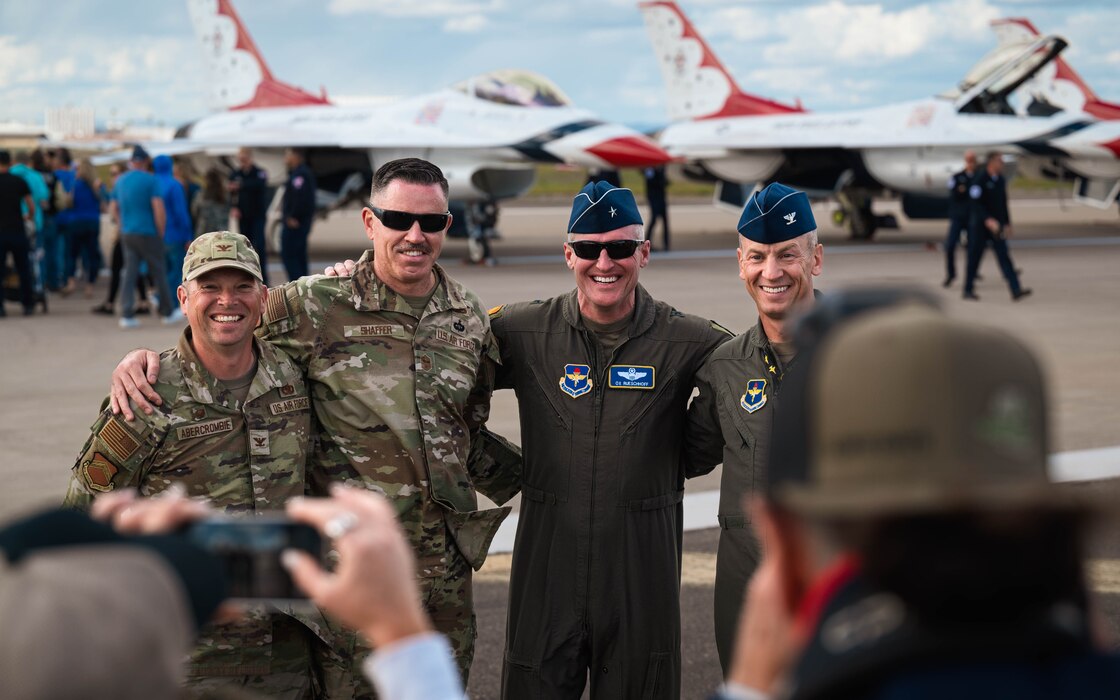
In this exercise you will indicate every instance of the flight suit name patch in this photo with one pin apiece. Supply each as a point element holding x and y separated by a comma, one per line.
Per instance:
<point>576,380</point>
<point>631,377</point>
<point>222,425</point>
<point>754,397</point>
<point>300,404</point>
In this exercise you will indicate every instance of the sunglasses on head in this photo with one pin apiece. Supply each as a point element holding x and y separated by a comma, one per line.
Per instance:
<point>616,250</point>
<point>403,220</point>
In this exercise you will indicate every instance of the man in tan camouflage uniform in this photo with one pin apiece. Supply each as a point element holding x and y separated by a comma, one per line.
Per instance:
<point>401,362</point>
<point>233,428</point>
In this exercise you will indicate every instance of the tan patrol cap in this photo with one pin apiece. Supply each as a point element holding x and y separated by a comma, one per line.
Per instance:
<point>211,251</point>
<point>907,411</point>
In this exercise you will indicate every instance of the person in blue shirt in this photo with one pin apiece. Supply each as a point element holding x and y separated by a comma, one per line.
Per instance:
<point>85,229</point>
<point>138,206</point>
<point>178,233</point>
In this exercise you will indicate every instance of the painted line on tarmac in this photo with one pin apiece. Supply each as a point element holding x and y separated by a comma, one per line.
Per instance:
<point>700,508</point>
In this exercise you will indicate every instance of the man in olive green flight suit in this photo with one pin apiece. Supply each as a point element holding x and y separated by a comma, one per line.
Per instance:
<point>778,256</point>
<point>233,428</point>
<point>603,376</point>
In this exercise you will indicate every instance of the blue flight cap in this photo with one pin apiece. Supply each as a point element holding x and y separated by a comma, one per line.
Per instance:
<point>600,207</point>
<point>776,213</point>
<point>138,153</point>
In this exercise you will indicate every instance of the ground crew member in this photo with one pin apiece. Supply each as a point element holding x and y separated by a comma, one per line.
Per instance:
<point>233,427</point>
<point>249,186</point>
<point>779,256</point>
<point>603,375</point>
<point>991,222</point>
<point>902,527</point>
<point>960,204</point>
<point>400,361</point>
<point>297,208</point>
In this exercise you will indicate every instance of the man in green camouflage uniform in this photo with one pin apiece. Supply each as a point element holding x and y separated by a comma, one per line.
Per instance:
<point>400,361</point>
<point>233,428</point>
<point>730,418</point>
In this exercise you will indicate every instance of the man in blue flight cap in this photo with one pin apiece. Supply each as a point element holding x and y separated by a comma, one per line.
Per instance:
<point>603,375</point>
<point>779,255</point>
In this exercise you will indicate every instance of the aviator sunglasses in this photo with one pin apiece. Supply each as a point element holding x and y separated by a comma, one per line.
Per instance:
<point>616,250</point>
<point>403,220</point>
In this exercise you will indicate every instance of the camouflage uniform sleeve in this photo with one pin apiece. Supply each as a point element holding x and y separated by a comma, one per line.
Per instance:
<point>116,455</point>
<point>285,324</point>
<point>703,436</point>
<point>494,463</point>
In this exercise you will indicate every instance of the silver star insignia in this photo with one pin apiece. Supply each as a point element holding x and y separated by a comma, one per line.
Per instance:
<point>613,212</point>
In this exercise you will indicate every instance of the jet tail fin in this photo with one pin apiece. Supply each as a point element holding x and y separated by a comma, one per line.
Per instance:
<point>1060,85</point>
<point>239,76</point>
<point>699,86</point>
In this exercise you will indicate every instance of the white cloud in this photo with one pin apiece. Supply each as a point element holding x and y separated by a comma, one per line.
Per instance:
<point>468,24</point>
<point>741,23</point>
<point>412,8</point>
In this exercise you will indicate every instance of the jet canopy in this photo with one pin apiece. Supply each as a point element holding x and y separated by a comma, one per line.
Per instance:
<point>988,85</point>
<point>514,87</point>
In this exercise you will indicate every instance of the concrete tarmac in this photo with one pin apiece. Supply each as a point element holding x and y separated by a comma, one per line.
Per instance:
<point>56,366</point>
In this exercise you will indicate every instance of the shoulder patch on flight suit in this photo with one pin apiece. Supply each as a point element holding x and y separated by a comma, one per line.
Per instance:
<point>721,329</point>
<point>673,313</point>
<point>276,308</point>
<point>496,311</point>
<point>97,472</point>
<point>118,438</point>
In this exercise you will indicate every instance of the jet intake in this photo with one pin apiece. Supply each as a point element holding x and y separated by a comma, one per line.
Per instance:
<point>470,183</point>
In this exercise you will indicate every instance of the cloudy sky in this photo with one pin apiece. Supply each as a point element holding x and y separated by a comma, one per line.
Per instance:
<point>137,60</point>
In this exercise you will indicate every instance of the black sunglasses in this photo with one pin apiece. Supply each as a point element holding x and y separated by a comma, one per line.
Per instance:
<point>403,220</point>
<point>616,250</point>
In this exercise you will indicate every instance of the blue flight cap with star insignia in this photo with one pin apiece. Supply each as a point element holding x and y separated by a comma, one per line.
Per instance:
<point>600,207</point>
<point>776,213</point>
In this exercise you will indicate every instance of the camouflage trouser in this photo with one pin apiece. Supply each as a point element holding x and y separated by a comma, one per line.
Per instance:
<point>445,590</point>
<point>289,676</point>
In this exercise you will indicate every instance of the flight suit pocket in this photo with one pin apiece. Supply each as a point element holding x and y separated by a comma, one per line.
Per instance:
<point>658,672</point>
<point>520,679</point>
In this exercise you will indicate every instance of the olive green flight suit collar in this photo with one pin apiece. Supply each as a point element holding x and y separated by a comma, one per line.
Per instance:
<point>644,312</point>
<point>371,294</point>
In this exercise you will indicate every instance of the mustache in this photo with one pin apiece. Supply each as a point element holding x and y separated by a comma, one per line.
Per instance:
<point>404,248</point>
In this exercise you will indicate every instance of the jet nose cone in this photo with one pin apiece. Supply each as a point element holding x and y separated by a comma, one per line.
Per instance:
<point>635,151</point>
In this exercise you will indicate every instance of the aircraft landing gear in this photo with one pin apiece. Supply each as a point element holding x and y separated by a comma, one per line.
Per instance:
<point>855,214</point>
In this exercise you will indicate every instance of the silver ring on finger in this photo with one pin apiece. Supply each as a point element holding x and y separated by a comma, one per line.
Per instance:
<point>340,524</point>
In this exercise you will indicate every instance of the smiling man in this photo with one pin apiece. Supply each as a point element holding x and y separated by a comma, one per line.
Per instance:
<point>779,256</point>
<point>400,362</point>
<point>603,375</point>
<point>233,428</point>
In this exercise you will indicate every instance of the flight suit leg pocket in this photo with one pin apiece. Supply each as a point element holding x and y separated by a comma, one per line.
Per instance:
<point>520,679</point>
<point>659,681</point>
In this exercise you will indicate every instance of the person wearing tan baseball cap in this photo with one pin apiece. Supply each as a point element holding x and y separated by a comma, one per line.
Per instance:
<point>914,546</point>
<point>233,428</point>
